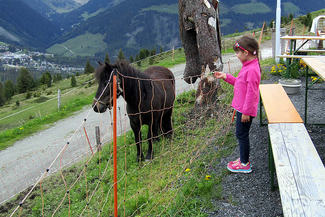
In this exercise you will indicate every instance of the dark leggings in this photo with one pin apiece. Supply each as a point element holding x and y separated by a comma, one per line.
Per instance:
<point>242,134</point>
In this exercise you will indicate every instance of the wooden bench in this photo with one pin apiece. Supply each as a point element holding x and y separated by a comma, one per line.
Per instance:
<point>300,171</point>
<point>277,105</point>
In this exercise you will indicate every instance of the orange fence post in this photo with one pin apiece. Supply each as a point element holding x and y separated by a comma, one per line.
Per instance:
<point>114,141</point>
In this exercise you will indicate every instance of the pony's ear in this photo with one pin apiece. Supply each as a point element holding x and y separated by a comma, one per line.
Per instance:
<point>108,66</point>
<point>100,63</point>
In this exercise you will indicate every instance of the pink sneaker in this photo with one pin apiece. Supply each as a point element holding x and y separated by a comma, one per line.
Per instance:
<point>238,167</point>
<point>235,161</point>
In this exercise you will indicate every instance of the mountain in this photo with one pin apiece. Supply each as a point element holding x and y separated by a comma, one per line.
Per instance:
<point>96,27</point>
<point>102,26</point>
<point>91,8</point>
<point>130,25</point>
<point>22,25</point>
<point>40,7</point>
<point>50,7</point>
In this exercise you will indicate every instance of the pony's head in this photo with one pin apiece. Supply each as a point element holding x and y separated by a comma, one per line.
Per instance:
<point>104,95</point>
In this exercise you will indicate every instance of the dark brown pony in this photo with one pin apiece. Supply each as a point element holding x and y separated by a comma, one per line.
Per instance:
<point>149,96</point>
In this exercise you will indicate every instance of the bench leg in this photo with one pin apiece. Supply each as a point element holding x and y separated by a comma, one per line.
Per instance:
<point>261,113</point>
<point>306,95</point>
<point>271,166</point>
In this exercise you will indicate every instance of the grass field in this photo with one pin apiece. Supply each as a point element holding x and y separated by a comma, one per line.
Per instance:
<point>41,110</point>
<point>251,8</point>
<point>171,9</point>
<point>178,182</point>
<point>87,45</point>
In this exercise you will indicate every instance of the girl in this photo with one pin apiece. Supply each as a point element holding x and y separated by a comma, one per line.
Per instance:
<point>246,97</point>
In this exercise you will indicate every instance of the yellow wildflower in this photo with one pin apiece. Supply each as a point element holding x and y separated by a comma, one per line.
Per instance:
<point>187,170</point>
<point>207,177</point>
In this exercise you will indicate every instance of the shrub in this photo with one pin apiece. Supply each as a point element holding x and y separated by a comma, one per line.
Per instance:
<point>28,95</point>
<point>73,81</point>
<point>37,94</point>
<point>151,60</point>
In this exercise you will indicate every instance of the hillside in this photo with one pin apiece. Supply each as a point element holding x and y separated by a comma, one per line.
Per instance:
<point>92,8</point>
<point>142,25</point>
<point>100,26</point>
<point>22,25</point>
<point>132,25</point>
<point>50,7</point>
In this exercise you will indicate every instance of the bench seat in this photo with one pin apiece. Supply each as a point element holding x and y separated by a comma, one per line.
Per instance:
<point>297,56</point>
<point>315,51</point>
<point>277,105</point>
<point>300,171</point>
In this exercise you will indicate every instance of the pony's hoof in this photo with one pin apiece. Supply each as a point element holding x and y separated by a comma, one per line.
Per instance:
<point>140,158</point>
<point>149,157</point>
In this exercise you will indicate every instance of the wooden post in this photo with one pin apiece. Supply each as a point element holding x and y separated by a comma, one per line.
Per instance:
<point>59,99</point>
<point>114,140</point>
<point>99,144</point>
<point>261,35</point>
<point>173,54</point>
<point>260,41</point>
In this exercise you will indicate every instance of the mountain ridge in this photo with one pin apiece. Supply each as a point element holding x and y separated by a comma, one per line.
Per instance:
<point>127,24</point>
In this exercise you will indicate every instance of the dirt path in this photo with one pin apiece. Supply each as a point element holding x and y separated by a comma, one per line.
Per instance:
<point>22,164</point>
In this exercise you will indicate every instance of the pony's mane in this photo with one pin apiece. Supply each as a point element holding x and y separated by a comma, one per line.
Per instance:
<point>127,69</point>
<point>103,73</point>
<point>100,72</point>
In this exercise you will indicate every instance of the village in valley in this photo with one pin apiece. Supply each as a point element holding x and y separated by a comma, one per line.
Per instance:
<point>12,58</point>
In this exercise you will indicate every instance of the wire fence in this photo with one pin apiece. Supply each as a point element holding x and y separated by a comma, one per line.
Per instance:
<point>86,188</point>
<point>78,179</point>
<point>156,58</point>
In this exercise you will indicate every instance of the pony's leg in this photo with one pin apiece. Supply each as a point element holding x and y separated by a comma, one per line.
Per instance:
<point>167,124</point>
<point>137,138</point>
<point>150,151</point>
<point>152,136</point>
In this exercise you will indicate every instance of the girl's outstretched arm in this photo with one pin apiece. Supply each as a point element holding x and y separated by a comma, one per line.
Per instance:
<point>220,75</point>
<point>226,77</point>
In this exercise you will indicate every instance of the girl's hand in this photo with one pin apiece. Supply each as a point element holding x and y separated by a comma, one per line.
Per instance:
<point>245,118</point>
<point>220,75</point>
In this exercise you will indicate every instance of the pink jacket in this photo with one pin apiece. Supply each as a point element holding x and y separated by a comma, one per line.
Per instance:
<point>246,92</point>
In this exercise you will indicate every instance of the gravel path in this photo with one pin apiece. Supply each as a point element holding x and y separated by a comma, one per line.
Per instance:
<point>250,194</point>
